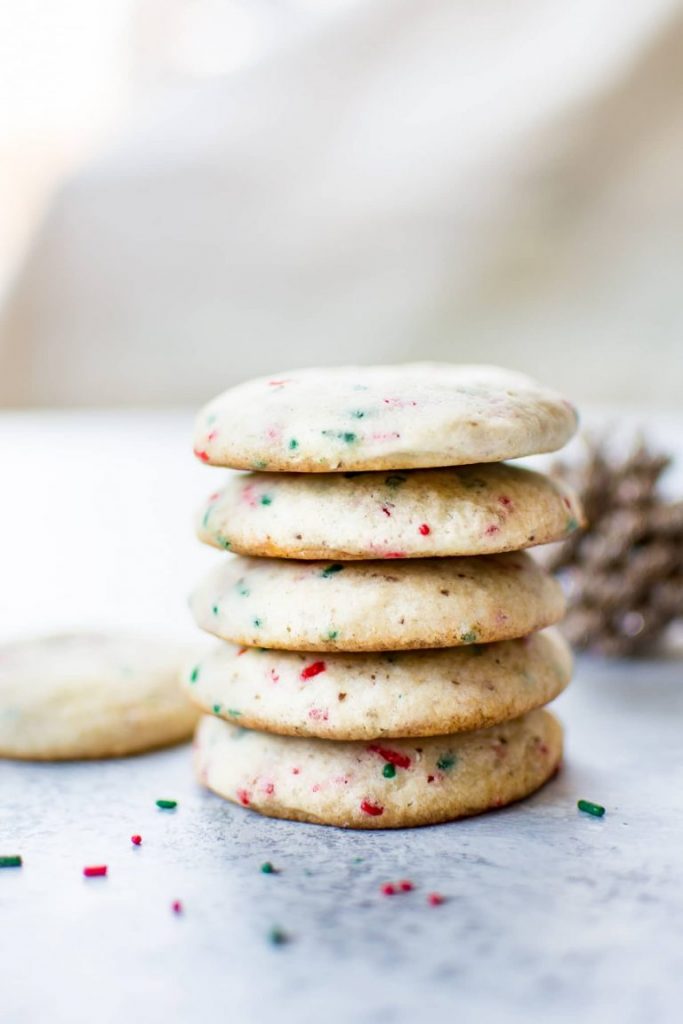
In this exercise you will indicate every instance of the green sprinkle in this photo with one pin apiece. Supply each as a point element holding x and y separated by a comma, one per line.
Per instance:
<point>194,674</point>
<point>389,770</point>
<point>234,712</point>
<point>242,589</point>
<point>223,541</point>
<point>167,805</point>
<point>357,860</point>
<point>207,516</point>
<point>277,937</point>
<point>260,464</point>
<point>214,609</point>
<point>445,763</point>
<point>341,435</point>
<point>268,869</point>
<point>258,623</point>
<point>331,570</point>
<point>293,444</point>
<point>333,634</point>
<point>11,861</point>
<point>469,637</point>
<point>572,524</point>
<point>357,414</point>
<point>589,808</point>
<point>216,709</point>
<point>266,499</point>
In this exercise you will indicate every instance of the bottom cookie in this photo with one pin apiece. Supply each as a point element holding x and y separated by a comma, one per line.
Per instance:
<point>393,784</point>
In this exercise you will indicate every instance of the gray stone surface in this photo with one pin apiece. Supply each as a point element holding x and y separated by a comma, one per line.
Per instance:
<point>550,916</point>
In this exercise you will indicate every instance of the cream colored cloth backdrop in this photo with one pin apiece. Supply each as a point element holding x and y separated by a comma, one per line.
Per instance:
<point>488,181</point>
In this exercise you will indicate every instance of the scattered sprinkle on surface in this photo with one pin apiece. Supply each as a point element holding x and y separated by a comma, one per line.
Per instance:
<point>277,936</point>
<point>267,868</point>
<point>95,871</point>
<point>596,810</point>
<point>10,861</point>
<point>435,899</point>
<point>136,840</point>
<point>167,805</point>
<point>177,907</point>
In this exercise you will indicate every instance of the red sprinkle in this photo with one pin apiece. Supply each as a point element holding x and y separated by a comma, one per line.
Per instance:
<point>424,529</point>
<point>386,511</point>
<point>204,456</point>
<point>387,889</point>
<point>243,797</point>
<point>435,899</point>
<point>392,756</point>
<point>406,885</point>
<point>177,907</point>
<point>490,530</point>
<point>373,809</point>
<point>136,840</point>
<point>313,670</point>
<point>99,871</point>
<point>395,554</point>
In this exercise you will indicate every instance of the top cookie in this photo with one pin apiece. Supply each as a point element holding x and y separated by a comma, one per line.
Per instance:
<point>382,417</point>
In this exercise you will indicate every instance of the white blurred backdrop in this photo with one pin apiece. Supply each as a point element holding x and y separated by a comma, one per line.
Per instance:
<point>195,191</point>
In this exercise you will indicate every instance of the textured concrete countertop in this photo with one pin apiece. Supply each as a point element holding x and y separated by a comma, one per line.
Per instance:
<point>550,915</point>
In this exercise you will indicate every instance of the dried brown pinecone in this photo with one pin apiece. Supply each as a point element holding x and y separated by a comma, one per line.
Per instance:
<point>624,573</point>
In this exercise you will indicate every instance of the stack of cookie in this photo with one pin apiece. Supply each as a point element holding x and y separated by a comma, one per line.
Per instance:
<point>384,659</point>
